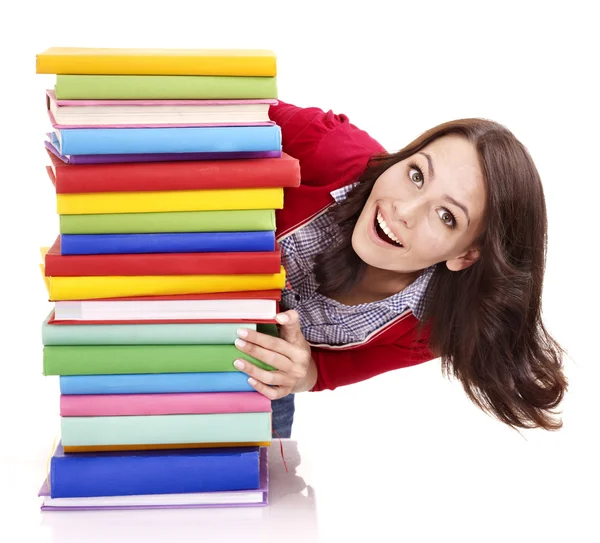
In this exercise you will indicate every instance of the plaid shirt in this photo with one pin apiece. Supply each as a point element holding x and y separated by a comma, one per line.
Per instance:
<point>325,321</point>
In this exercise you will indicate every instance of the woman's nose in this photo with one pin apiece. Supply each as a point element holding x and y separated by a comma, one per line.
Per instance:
<point>405,212</point>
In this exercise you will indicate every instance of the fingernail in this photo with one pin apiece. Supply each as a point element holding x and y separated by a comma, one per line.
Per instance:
<point>252,381</point>
<point>238,364</point>
<point>281,318</point>
<point>240,343</point>
<point>242,333</point>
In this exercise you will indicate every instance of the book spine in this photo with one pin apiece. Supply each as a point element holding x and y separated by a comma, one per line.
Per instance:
<point>128,359</point>
<point>262,65</point>
<point>142,334</point>
<point>182,263</point>
<point>163,87</point>
<point>154,383</point>
<point>243,220</point>
<point>104,405</point>
<point>141,430</point>
<point>99,141</point>
<point>160,472</point>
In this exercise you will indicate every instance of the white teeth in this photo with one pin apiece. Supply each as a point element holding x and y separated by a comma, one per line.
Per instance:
<point>387,229</point>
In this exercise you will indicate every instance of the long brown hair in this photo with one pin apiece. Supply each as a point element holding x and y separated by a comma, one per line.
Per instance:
<point>485,321</point>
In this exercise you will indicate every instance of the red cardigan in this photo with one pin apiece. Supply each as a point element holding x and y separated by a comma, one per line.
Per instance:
<point>333,153</point>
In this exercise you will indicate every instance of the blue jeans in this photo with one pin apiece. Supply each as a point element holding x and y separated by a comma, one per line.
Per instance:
<point>283,416</point>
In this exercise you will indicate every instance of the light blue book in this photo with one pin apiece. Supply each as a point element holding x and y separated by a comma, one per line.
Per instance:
<point>211,139</point>
<point>158,383</point>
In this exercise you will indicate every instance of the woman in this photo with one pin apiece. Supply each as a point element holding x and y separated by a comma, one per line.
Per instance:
<point>394,259</point>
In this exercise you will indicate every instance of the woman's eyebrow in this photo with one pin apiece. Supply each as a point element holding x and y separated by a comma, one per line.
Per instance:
<point>429,164</point>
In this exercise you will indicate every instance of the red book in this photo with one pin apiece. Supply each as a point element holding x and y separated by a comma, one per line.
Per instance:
<point>262,262</point>
<point>183,175</point>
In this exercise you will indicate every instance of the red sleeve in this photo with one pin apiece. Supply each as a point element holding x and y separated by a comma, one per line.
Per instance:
<point>339,368</point>
<point>328,147</point>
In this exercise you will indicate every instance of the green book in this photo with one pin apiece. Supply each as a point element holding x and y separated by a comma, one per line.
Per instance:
<point>133,359</point>
<point>176,221</point>
<point>163,87</point>
<point>163,429</point>
<point>142,334</point>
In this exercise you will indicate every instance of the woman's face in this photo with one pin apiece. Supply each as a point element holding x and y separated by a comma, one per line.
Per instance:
<point>426,209</point>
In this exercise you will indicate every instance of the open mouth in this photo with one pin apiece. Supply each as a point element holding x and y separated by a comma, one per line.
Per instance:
<point>385,232</point>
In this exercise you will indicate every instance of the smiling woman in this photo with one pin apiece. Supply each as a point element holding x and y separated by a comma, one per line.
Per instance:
<point>394,259</point>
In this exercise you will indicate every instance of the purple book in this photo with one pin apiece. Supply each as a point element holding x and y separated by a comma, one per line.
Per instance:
<point>157,157</point>
<point>236,498</point>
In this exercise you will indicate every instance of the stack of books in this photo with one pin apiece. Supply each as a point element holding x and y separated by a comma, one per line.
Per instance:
<point>167,174</point>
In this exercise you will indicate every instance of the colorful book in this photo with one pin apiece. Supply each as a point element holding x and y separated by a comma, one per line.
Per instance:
<point>145,61</point>
<point>156,113</point>
<point>169,243</point>
<point>239,220</point>
<point>142,334</point>
<point>113,405</point>
<point>176,200</point>
<point>154,383</point>
<point>52,145</point>
<point>283,171</point>
<point>216,307</point>
<point>154,472</point>
<point>172,263</point>
<point>111,286</point>
<point>164,87</point>
<point>121,141</point>
<point>129,359</point>
<point>166,429</point>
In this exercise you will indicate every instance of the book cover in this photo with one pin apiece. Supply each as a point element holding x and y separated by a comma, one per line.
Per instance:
<point>282,171</point>
<point>167,429</point>
<point>153,472</point>
<point>129,359</point>
<point>171,263</point>
<point>154,383</point>
<point>52,145</point>
<point>177,200</point>
<point>91,480</point>
<point>197,244</point>
<point>113,286</point>
<point>161,87</point>
<point>121,141</point>
<point>142,334</point>
<point>104,405</point>
<point>150,61</point>
<point>156,113</point>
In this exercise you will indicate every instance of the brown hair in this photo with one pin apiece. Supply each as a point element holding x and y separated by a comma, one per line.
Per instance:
<point>485,320</point>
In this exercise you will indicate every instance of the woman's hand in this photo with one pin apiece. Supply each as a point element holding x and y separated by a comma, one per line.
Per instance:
<point>289,354</point>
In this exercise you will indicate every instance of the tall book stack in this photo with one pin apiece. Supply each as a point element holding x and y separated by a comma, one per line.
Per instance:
<point>167,172</point>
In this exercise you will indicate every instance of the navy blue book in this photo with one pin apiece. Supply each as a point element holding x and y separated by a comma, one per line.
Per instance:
<point>175,471</point>
<point>187,242</point>
<point>157,383</point>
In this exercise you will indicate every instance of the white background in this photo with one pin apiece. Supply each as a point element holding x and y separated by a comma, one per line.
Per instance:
<point>404,455</point>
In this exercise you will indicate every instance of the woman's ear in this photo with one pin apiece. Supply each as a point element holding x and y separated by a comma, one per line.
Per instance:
<point>463,261</point>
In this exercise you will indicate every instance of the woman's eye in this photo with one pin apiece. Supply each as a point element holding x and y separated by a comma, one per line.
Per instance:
<point>447,217</point>
<point>416,177</point>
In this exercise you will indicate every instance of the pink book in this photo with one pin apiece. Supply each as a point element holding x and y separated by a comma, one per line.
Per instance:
<point>106,405</point>
<point>156,113</point>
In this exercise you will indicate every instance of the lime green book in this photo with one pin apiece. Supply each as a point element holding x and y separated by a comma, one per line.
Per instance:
<point>163,429</point>
<point>133,359</point>
<point>164,87</point>
<point>243,220</point>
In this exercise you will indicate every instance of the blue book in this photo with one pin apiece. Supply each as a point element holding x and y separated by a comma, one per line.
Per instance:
<point>187,242</point>
<point>212,139</point>
<point>154,383</point>
<point>175,471</point>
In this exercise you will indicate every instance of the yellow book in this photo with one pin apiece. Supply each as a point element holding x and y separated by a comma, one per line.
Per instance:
<point>162,446</point>
<point>113,61</point>
<point>175,200</point>
<point>112,286</point>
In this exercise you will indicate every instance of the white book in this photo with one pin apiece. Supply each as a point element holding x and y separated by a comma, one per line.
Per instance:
<point>122,113</point>
<point>134,310</point>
